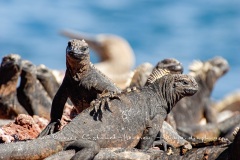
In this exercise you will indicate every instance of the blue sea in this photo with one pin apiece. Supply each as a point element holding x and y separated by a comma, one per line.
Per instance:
<point>156,29</point>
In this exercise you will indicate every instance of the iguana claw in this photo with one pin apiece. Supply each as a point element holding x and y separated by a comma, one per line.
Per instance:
<point>51,128</point>
<point>102,101</point>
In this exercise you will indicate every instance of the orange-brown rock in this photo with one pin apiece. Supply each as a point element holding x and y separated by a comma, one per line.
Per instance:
<point>24,127</point>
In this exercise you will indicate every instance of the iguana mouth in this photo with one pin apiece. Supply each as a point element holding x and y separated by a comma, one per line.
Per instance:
<point>190,91</point>
<point>77,49</point>
<point>75,55</point>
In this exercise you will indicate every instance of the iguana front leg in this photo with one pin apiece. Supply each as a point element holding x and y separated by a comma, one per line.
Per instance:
<point>150,133</point>
<point>57,109</point>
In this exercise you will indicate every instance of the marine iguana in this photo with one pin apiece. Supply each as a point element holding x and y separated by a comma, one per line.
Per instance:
<point>9,73</point>
<point>48,80</point>
<point>142,72</point>
<point>31,95</point>
<point>137,114</point>
<point>82,83</point>
<point>116,55</point>
<point>190,111</point>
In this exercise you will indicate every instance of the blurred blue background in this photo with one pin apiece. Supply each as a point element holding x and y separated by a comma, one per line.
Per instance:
<point>185,30</point>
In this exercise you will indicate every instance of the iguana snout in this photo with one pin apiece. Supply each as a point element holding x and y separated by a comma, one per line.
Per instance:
<point>77,48</point>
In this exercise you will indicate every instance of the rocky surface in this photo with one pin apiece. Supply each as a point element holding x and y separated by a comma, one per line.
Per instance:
<point>24,127</point>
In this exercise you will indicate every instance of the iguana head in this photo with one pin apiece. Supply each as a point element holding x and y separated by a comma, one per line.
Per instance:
<point>171,64</point>
<point>10,68</point>
<point>77,49</point>
<point>208,72</point>
<point>77,57</point>
<point>28,68</point>
<point>11,62</point>
<point>183,85</point>
<point>173,87</point>
<point>180,85</point>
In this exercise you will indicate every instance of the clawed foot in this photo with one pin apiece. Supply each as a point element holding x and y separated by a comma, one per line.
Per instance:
<point>51,128</point>
<point>161,142</point>
<point>102,101</point>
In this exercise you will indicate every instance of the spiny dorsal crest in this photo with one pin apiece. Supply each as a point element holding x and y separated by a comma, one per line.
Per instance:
<point>157,74</point>
<point>195,66</point>
<point>235,131</point>
<point>199,68</point>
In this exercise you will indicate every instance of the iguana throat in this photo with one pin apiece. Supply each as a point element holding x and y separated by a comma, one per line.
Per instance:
<point>78,67</point>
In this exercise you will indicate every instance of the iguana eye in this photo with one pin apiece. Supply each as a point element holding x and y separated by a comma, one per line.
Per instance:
<point>84,49</point>
<point>185,82</point>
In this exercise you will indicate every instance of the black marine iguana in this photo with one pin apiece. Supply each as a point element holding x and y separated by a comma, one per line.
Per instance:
<point>144,75</point>
<point>116,55</point>
<point>48,80</point>
<point>190,111</point>
<point>31,94</point>
<point>137,118</point>
<point>9,73</point>
<point>82,83</point>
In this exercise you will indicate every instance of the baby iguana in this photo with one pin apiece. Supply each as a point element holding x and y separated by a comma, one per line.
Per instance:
<point>31,95</point>
<point>82,83</point>
<point>137,114</point>
<point>9,73</point>
<point>190,111</point>
<point>143,71</point>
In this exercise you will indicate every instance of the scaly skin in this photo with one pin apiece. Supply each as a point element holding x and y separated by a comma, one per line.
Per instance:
<point>82,83</point>
<point>190,111</point>
<point>146,74</point>
<point>9,73</point>
<point>137,114</point>
<point>168,135</point>
<point>30,92</point>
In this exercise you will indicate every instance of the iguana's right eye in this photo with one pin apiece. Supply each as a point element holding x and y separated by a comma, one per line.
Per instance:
<point>84,48</point>
<point>185,82</point>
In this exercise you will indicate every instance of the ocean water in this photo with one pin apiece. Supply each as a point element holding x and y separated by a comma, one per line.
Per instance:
<point>185,30</point>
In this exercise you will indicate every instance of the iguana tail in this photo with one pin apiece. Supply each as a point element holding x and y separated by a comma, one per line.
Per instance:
<point>31,149</point>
